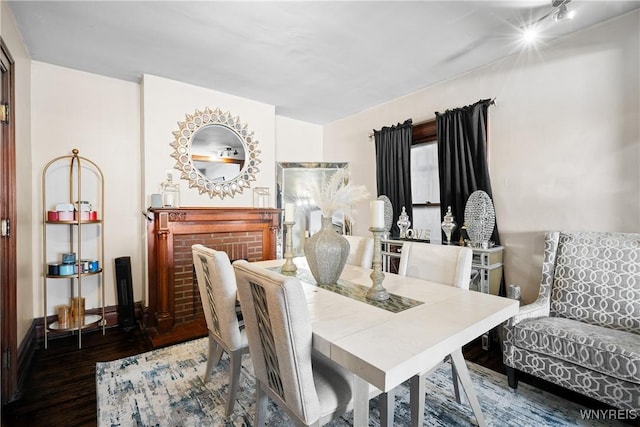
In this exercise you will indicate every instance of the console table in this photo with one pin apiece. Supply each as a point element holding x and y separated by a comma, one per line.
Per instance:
<point>174,307</point>
<point>391,250</point>
<point>486,264</point>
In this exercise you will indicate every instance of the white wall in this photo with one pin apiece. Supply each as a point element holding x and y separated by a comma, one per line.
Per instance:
<point>100,117</point>
<point>24,204</point>
<point>297,141</point>
<point>165,103</point>
<point>564,139</point>
<point>126,128</point>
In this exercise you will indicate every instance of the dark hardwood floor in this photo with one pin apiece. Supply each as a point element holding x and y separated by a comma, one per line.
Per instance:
<point>60,389</point>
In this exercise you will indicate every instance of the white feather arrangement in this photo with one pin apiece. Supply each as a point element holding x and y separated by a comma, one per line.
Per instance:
<point>337,194</point>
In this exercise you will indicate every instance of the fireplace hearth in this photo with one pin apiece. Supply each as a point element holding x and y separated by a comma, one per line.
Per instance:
<point>174,311</point>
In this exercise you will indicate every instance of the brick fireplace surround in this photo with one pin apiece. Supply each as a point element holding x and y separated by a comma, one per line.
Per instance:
<point>174,311</point>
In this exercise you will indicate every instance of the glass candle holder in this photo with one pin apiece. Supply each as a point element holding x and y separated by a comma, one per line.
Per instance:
<point>261,197</point>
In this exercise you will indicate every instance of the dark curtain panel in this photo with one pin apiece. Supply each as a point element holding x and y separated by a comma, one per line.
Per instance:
<point>393,168</point>
<point>462,157</point>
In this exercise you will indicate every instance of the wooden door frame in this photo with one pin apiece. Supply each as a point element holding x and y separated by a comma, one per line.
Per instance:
<point>8,262</point>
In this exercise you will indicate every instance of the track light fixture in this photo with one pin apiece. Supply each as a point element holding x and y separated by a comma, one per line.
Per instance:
<point>562,13</point>
<point>559,13</point>
<point>228,151</point>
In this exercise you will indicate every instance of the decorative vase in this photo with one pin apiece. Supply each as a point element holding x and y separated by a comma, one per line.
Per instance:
<point>326,253</point>
<point>448,225</point>
<point>403,223</point>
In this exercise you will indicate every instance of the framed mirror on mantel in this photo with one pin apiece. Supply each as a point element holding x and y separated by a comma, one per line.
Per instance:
<point>292,179</point>
<point>216,153</point>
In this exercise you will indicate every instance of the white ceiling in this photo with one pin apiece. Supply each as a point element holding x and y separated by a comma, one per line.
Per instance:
<point>315,61</point>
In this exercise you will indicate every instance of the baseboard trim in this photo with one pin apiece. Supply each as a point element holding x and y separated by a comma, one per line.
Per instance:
<point>34,339</point>
<point>26,351</point>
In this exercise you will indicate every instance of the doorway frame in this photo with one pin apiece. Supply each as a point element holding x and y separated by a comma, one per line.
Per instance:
<point>8,250</point>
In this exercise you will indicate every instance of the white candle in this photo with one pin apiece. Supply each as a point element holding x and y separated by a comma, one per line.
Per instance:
<point>288,212</point>
<point>377,214</point>
<point>168,200</point>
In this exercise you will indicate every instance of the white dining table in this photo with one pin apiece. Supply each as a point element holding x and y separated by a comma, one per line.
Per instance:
<point>385,348</point>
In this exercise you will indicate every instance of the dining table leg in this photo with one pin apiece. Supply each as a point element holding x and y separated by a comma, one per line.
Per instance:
<point>360,402</point>
<point>386,403</point>
<point>463,375</point>
<point>416,398</point>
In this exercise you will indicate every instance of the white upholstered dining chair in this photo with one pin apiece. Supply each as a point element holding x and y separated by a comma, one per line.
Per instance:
<point>217,286</point>
<point>309,387</point>
<point>360,250</point>
<point>449,265</point>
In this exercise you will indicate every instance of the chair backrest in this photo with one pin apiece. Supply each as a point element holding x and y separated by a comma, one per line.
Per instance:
<point>360,251</point>
<point>595,277</point>
<point>450,265</point>
<point>278,327</point>
<point>217,286</point>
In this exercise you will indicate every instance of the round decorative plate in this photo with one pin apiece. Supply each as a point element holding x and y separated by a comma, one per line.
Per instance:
<point>479,216</point>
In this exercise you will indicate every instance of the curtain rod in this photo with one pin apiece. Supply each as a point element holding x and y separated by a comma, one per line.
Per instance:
<point>492,102</point>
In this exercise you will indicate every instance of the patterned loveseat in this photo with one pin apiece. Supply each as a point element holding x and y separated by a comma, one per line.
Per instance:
<point>583,331</point>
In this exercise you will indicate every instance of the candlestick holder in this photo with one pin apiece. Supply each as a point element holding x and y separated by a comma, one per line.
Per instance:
<point>289,266</point>
<point>377,292</point>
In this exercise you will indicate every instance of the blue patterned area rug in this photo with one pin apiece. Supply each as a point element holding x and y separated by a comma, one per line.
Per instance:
<point>164,387</point>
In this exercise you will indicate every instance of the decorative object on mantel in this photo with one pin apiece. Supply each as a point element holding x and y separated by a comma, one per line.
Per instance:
<point>377,292</point>
<point>170,192</point>
<point>480,218</point>
<point>261,197</point>
<point>448,224</point>
<point>216,153</point>
<point>403,223</point>
<point>289,222</point>
<point>388,215</point>
<point>326,251</point>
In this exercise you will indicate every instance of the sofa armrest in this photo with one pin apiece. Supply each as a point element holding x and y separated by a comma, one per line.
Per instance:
<point>538,308</point>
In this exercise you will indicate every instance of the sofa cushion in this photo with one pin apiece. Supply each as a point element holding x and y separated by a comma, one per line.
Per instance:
<point>611,352</point>
<point>597,279</point>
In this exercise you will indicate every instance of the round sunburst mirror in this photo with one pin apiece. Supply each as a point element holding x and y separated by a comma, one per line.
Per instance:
<point>216,153</point>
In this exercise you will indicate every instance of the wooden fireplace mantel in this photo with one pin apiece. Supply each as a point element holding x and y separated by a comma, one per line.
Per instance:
<point>170,227</point>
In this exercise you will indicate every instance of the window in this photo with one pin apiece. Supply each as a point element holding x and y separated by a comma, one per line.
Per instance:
<point>425,182</point>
